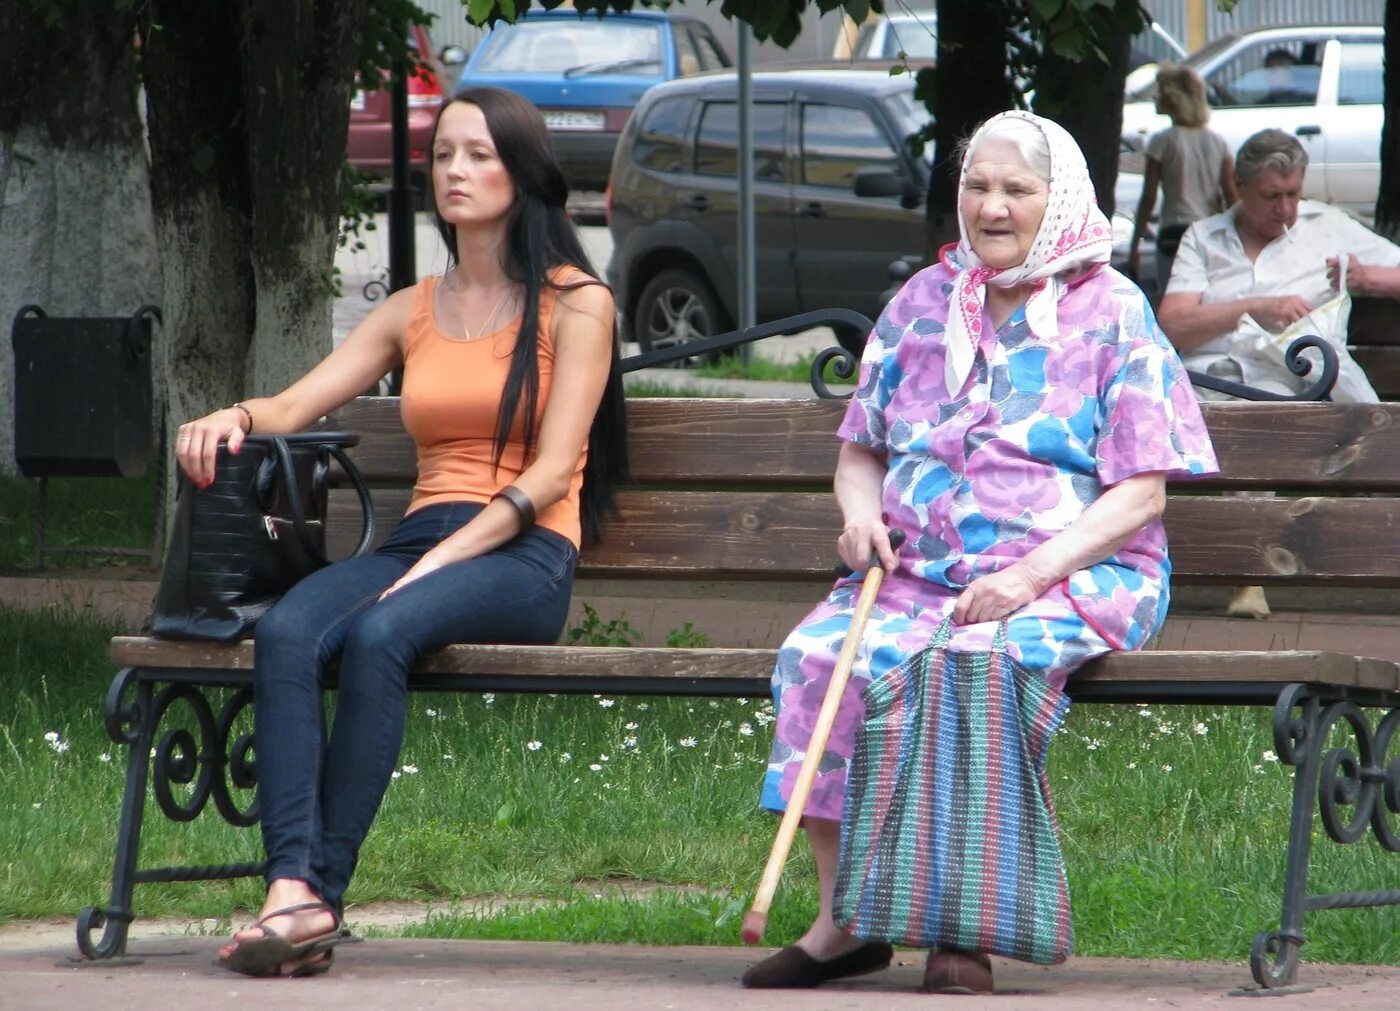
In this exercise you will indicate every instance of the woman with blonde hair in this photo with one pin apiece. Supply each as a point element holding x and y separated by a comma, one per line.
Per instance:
<point>1190,162</point>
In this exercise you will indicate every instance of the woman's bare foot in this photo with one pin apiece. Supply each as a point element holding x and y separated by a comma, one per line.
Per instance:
<point>294,927</point>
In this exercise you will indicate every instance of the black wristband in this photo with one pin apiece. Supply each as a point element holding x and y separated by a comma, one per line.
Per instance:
<point>522,504</point>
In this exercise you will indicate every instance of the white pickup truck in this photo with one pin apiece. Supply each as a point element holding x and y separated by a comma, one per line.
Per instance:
<point>1321,83</point>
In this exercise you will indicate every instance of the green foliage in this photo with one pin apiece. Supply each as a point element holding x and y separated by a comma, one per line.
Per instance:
<point>594,631</point>
<point>688,637</point>
<point>384,41</point>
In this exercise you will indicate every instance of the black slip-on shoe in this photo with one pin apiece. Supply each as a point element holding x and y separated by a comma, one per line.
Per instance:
<point>794,968</point>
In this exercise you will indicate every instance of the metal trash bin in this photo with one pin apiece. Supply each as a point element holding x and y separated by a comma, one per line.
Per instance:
<point>83,394</point>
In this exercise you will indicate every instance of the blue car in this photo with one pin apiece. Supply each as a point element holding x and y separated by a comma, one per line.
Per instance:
<point>586,74</point>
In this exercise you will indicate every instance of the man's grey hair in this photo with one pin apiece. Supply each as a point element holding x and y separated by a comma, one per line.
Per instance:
<point>1269,149</point>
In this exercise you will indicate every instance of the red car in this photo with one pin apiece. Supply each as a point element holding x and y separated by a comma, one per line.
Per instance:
<point>369,147</point>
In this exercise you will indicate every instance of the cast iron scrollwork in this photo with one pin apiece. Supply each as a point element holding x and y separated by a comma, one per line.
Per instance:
<point>1321,388</point>
<point>1354,787</point>
<point>843,366</point>
<point>199,762</point>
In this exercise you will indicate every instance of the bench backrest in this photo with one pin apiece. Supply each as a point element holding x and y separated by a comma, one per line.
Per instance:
<point>741,489</point>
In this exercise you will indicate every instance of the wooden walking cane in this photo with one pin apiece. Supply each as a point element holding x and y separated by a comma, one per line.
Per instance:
<point>757,918</point>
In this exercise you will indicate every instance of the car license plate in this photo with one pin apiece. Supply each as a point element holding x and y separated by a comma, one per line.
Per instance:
<point>562,120</point>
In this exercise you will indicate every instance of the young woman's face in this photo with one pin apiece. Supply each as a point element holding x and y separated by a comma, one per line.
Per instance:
<point>470,183</point>
<point>1002,203</point>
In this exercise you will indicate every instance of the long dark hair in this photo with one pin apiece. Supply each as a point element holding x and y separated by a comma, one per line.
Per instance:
<point>540,237</point>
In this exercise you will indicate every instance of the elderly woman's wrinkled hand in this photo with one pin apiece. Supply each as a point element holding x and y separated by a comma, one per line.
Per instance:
<point>996,595</point>
<point>197,444</point>
<point>862,541</point>
<point>1276,312</point>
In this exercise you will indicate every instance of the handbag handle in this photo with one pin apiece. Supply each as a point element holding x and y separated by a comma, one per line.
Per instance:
<point>335,443</point>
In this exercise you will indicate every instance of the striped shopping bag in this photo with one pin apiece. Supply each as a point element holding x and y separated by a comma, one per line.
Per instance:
<point>949,837</point>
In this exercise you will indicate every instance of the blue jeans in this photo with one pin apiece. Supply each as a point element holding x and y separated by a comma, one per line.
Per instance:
<point>320,793</point>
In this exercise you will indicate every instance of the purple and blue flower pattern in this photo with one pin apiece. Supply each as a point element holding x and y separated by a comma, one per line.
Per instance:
<point>1037,433</point>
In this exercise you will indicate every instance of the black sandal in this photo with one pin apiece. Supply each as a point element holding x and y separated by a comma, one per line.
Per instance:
<point>265,956</point>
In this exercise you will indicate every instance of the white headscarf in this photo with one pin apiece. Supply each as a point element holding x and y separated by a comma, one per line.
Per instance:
<point>1074,235</point>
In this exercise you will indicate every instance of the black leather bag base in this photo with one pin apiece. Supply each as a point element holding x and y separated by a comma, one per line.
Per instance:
<point>239,544</point>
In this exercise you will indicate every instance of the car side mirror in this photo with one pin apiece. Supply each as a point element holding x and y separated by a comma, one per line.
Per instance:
<point>873,181</point>
<point>453,56</point>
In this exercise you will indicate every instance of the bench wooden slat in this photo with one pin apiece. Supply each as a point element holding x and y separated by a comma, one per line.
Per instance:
<point>741,535</point>
<point>768,443</point>
<point>1267,667</point>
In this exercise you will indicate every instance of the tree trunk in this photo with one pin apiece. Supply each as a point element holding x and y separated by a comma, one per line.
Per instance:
<point>246,184</point>
<point>76,232</point>
<point>1085,96</point>
<point>970,85</point>
<point>1388,199</point>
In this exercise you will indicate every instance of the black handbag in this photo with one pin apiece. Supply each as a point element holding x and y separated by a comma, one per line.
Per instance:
<point>242,542</point>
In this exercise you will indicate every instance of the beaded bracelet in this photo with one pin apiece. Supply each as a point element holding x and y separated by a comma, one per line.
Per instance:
<point>522,504</point>
<point>247,412</point>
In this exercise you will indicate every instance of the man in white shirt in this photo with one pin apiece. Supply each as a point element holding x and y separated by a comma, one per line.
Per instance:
<point>1272,256</point>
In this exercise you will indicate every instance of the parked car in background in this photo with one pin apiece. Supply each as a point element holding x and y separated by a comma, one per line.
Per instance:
<point>369,146</point>
<point>837,194</point>
<point>587,73</point>
<point>1321,83</point>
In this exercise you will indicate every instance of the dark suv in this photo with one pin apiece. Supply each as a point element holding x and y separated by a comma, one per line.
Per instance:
<point>837,197</point>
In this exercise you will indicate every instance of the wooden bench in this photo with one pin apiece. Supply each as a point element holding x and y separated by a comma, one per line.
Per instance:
<point>1373,337</point>
<point>728,492</point>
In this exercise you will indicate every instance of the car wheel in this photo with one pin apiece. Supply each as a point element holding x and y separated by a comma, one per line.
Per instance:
<point>675,308</point>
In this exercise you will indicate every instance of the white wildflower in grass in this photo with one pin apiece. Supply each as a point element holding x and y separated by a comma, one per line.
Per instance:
<point>104,757</point>
<point>56,742</point>
<point>1132,765</point>
<point>746,729</point>
<point>1269,756</point>
<point>1258,768</point>
<point>1201,729</point>
<point>595,767</point>
<point>411,770</point>
<point>762,718</point>
<point>643,706</point>
<point>395,775</point>
<point>51,736</point>
<point>714,704</point>
<point>1165,729</point>
<point>534,745</point>
<point>629,742</point>
<point>489,698</point>
<point>1145,712</point>
<point>1093,744</point>
<point>607,703</point>
<point>1166,768</point>
<point>727,724</point>
<point>430,712</point>
<point>447,757</point>
<point>566,756</point>
<point>38,804</point>
<point>602,758</point>
<point>687,742</point>
<point>629,726</point>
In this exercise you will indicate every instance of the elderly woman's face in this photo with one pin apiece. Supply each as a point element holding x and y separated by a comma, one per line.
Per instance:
<point>1002,204</point>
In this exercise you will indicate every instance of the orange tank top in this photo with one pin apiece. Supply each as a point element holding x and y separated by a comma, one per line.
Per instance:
<point>451,392</point>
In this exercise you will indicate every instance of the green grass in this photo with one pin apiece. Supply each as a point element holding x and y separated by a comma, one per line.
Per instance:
<point>797,371</point>
<point>1174,837</point>
<point>87,511</point>
<point>643,388</point>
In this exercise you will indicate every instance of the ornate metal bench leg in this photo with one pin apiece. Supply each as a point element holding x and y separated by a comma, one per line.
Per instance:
<point>128,723</point>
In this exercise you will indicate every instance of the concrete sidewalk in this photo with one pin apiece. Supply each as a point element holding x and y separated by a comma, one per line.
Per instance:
<point>523,976</point>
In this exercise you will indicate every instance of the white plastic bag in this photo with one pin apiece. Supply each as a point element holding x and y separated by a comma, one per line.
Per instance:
<point>1259,353</point>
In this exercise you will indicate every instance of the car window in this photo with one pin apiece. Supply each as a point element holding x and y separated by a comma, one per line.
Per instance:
<point>1360,80</point>
<point>914,35</point>
<point>687,59</point>
<point>1269,72</point>
<point>717,145</point>
<point>837,140</point>
<point>711,55</point>
<point>659,144</point>
<point>554,47</point>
